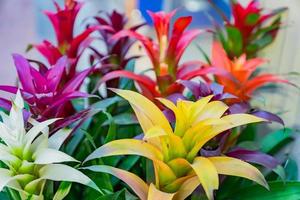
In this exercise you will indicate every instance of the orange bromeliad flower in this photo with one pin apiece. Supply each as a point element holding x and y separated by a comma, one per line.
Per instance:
<point>241,84</point>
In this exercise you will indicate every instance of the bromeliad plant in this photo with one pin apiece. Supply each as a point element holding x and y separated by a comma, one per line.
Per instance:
<point>250,30</point>
<point>63,21</point>
<point>243,82</point>
<point>165,55</point>
<point>29,158</point>
<point>115,55</point>
<point>178,163</point>
<point>47,92</point>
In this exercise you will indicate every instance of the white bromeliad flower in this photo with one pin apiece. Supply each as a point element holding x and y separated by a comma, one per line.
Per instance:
<point>30,158</point>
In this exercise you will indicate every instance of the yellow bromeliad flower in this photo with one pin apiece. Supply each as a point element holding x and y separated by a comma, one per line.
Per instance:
<point>179,169</point>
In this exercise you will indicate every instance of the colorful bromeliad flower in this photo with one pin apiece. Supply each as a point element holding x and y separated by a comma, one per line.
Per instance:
<point>63,21</point>
<point>29,158</point>
<point>115,54</point>
<point>45,90</point>
<point>164,54</point>
<point>176,153</point>
<point>243,84</point>
<point>250,30</point>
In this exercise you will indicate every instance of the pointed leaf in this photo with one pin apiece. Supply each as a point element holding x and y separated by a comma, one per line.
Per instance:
<point>207,175</point>
<point>235,167</point>
<point>48,156</point>
<point>58,138</point>
<point>59,172</point>
<point>126,147</point>
<point>148,113</point>
<point>135,183</point>
<point>156,194</point>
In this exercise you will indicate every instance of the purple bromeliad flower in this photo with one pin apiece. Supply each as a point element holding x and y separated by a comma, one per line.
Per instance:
<point>46,92</point>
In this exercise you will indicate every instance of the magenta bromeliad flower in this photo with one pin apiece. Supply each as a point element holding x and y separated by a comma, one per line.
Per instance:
<point>250,30</point>
<point>63,21</point>
<point>46,92</point>
<point>115,53</point>
<point>165,54</point>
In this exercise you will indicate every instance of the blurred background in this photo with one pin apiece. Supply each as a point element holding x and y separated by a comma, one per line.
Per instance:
<point>23,23</point>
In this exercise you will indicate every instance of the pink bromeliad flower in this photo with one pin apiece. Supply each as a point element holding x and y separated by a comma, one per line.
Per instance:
<point>114,55</point>
<point>68,44</point>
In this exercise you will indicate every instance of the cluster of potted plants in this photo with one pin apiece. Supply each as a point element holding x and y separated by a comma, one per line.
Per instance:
<point>186,131</point>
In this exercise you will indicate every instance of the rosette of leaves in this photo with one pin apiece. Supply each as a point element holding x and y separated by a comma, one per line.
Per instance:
<point>30,159</point>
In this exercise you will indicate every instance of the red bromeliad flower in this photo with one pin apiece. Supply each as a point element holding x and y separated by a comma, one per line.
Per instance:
<point>46,92</point>
<point>164,54</point>
<point>114,57</point>
<point>63,21</point>
<point>250,29</point>
<point>241,69</point>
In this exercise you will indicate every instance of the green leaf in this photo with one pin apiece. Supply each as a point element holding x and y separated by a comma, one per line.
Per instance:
<point>278,191</point>
<point>123,119</point>
<point>112,130</point>
<point>104,104</point>
<point>90,139</point>
<point>273,142</point>
<point>235,40</point>
<point>77,137</point>
<point>207,59</point>
<point>120,195</point>
<point>248,134</point>
<point>291,170</point>
<point>252,19</point>
<point>63,190</point>
<point>126,83</point>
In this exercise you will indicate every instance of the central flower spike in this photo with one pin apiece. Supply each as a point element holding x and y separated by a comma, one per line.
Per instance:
<point>175,152</point>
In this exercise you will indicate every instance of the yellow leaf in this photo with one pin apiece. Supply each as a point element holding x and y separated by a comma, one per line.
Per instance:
<point>155,194</point>
<point>135,182</point>
<point>153,132</point>
<point>177,184</point>
<point>198,129</point>
<point>207,174</point>
<point>180,115</point>
<point>198,106</point>
<point>214,109</point>
<point>242,119</point>
<point>187,188</point>
<point>147,112</point>
<point>233,121</point>
<point>180,166</point>
<point>236,167</point>
<point>165,175</point>
<point>127,147</point>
